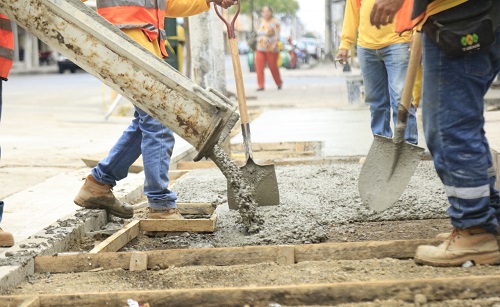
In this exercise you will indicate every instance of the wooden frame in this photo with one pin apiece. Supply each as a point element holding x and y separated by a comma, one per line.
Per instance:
<point>119,239</point>
<point>434,289</point>
<point>287,254</point>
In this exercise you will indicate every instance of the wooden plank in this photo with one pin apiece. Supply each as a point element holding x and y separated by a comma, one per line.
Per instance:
<point>196,208</point>
<point>19,301</point>
<point>286,255</point>
<point>435,290</point>
<point>233,255</point>
<point>119,239</point>
<point>280,146</point>
<point>274,155</point>
<point>176,174</point>
<point>138,261</point>
<point>399,249</point>
<point>190,165</point>
<point>192,225</point>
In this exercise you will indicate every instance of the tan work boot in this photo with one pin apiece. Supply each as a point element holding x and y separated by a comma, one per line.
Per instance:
<point>6,239</point>
<point>445,235</point>
<point>169,214</point>
<point>96,195</point>
<point>472,244</point>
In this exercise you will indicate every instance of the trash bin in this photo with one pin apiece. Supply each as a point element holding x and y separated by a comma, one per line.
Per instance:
<point>355,89</point>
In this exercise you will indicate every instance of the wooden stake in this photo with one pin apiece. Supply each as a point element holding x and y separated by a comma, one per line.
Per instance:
<point>138,261</point>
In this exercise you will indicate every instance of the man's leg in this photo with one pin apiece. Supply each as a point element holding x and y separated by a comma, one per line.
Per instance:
<point>376,91</point>
<point>396,58</point>
<point>96,192</point>
<point>453,105</point>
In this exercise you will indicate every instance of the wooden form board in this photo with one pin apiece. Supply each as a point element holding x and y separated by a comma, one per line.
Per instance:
<point>119,239</point>
<point>435,289</point>
<point>233,255</point>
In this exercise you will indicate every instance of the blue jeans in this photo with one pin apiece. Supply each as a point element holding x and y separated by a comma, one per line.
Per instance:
<point>453,106</point>
<point>148,136</point>
<point>384,72</point>
<point>1,210</point>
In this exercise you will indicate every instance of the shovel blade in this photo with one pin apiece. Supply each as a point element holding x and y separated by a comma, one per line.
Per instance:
<point>264,182</point>
<point>387,171</point>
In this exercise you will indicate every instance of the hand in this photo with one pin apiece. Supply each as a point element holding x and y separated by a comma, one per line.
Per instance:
<point>342,54</point>
<point>223,3</point>
<point>383,12</point>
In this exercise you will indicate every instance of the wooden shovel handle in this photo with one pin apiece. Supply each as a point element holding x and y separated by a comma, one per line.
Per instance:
<point>238,77</point>
<point>413,64</point>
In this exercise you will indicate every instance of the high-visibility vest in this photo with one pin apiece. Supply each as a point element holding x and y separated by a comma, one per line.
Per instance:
<point>149,15</point>
<point>6,47</point>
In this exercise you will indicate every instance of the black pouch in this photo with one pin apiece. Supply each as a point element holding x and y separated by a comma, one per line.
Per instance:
<point>463,29</point>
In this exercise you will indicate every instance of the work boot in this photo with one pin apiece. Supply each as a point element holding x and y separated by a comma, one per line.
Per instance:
<point>97,195</point>
<point>6,239</point>
<point>169,214</point>
<point>445,235</point>
<point>472,244</point>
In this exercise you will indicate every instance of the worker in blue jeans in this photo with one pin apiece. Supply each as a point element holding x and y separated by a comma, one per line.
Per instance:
<point>453,105</point>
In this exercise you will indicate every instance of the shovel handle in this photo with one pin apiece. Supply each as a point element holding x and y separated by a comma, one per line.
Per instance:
<point>405,104</point>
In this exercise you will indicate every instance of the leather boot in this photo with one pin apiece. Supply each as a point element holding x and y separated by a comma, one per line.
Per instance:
<point>445,235</point>
<point>6,239</point>
<point>471,244</point>
<point>169,214</point>
<point>97,195</point>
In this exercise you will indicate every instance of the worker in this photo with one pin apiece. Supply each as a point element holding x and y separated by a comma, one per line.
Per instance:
<point>383,58</point>
<point>6,59</point>
<point>456,76</point>
<point>143,21</point>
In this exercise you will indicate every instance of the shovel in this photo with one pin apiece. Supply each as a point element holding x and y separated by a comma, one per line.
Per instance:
<point>391,163</point>
<point>262,178</point>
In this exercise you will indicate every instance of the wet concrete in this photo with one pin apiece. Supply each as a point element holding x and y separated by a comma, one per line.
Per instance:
<point>243,190</point>
<point>313,198</point>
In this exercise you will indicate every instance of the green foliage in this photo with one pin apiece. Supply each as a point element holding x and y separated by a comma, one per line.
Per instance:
<point>288,7</point>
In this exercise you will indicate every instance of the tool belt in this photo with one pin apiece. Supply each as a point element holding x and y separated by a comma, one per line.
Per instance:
<point>465,28</point>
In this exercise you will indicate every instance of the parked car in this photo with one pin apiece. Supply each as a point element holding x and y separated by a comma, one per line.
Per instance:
<point>243,47</point>
<point>66,64</point>
<point>312,46</point>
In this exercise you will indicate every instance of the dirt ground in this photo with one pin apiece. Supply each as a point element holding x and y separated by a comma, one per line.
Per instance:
<point>333,202</point>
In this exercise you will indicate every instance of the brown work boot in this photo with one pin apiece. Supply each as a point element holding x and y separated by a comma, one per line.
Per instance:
<point>445,235</point>
<point>97,195</point>
<point>472,244</point>
<point>6,239</point>
<point>169,214</point>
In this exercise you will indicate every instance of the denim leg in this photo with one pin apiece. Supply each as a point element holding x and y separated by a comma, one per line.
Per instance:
<point>157,145</point>
<point>376,90</point>
<point>396,58</point>
<point>124,153</point>
<point>453,106</point>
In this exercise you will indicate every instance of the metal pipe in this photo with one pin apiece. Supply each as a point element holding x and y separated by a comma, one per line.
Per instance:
<point>200,116</point>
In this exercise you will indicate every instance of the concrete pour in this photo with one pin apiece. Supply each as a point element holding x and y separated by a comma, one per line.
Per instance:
<point>312,197</point>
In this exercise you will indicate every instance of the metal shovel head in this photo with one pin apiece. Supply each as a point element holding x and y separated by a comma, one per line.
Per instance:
<point>263,183</point>
<point>387,171</point>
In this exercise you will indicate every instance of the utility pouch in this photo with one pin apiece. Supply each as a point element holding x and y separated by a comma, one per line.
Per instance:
<point>463,29</point>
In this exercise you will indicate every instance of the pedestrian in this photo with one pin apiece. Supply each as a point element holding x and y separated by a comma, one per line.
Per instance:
<point>383,57</point>
<point>6,59</point>
<point>143,21</point>
<point>267,50</point>
<point>456,76</point>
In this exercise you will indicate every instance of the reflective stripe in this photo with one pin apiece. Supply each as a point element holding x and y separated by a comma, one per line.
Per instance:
<point>5,25</point>
<point>149,4</point>
<point>133,26</point>
<point>468,193</point>
<point>492,172</point>
<point>6,53</point>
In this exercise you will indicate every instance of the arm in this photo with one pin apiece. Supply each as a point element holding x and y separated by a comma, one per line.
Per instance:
<point>383,12</point>
<point>349,29</point>
<point>186,8</point>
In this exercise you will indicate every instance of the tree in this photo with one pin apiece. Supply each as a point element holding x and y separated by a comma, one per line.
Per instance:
<point>288,7</point>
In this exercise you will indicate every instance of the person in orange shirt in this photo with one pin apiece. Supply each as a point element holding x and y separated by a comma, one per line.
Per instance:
<point>143,21</point>
<point>6,59</point>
